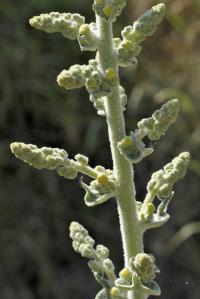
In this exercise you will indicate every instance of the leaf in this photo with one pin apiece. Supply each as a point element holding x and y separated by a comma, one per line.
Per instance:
<point>93,197</point>
<point>102,294</point>
<point>146,287</point>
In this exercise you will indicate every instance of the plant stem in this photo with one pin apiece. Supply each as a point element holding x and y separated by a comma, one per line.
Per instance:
<point>85,169</point>
<point>132,236</point>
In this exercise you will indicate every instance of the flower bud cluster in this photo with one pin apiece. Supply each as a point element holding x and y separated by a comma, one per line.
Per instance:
<point>87,37</point>
<point>133,149</point>
<point>68,170</point>
<point>134,35</point>
<point>65,23</point>
<point>72,78</point>
<point>132,146</point>
<point>98,84</point>
<point>99,103</point>
<point>126,52</point>
<point>100,264</point>
<point>101,189</point>
<point>82,242</point>
<point>146,25</point>
<point>144,266</point>
<point>162,181</point>
<point>161,185</point>
<point>139,275</point>
<point>109,9</point>
<point>156,126</point>
<point>102,267</point>
<point>45,158</point>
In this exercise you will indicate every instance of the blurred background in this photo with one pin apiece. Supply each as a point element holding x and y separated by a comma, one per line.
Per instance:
<point>36,207</point>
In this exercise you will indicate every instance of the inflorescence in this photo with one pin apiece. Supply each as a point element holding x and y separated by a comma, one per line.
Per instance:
<point>140,271</point>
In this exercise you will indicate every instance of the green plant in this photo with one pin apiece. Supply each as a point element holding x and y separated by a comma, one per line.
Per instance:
<point>100,77</point>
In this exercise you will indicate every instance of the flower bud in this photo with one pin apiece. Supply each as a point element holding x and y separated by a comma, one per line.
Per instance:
<point>81,159</point>
<point>87,37</point>
<point>109,9</point>
<point>68,172</point>
<point>100,169</point>
<point>102,252</point>
<point>108,265</point>
<point>144,265</point>
<point>99,105</point>
<point>95,266</point>
<point>126,274</point>
<point>111,74</point>
<point>123,97</point>
<point>115,292</point>
<point>102,179</point>
<point>87,251</point>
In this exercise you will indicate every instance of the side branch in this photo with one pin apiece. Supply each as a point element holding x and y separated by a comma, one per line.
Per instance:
<point>53,159</point>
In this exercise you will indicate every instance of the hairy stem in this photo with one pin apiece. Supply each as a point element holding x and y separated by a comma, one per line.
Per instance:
<point>132,236</point>
<point>85,169</point>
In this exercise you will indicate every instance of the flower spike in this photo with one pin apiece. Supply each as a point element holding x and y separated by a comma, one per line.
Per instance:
<point>162,181</point>
<point>146,25</point>
<point>133,36</point>
<point>53,158</point>
<point>65,23</point>
<point>156,126</point>
<point>99,262</point>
